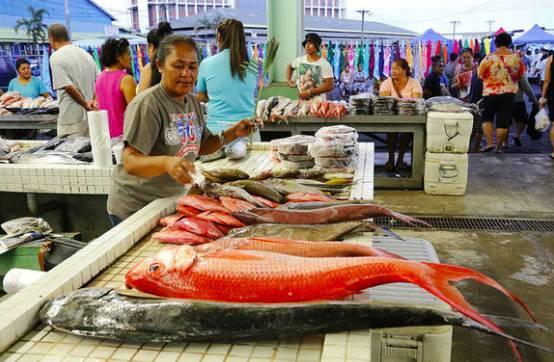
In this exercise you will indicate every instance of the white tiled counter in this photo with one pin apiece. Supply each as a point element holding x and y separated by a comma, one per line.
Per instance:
<point>55,179</point>
<point>104,261</point>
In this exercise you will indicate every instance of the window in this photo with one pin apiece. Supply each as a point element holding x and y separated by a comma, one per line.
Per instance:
<point>182,11</point>
<point>152,18</point>
<point>135,19</point>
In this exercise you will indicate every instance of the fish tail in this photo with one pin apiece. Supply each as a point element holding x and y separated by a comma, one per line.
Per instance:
<point>408,219</point>
<point>439,285</point>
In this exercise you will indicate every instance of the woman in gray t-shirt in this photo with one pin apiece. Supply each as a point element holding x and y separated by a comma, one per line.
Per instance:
<point>164,131</point>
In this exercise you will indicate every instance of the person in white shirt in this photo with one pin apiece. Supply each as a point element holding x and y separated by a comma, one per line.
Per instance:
<point>314,73</point>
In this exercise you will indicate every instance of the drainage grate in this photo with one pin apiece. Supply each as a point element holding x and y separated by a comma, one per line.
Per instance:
<point>473,223</point>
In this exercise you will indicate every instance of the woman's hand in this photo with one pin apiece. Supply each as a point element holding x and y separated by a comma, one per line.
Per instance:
<point>291,83</point>
<point>179,169</point>
<point>305,95</point>
<point>243,128</point>
<point>542,101</point>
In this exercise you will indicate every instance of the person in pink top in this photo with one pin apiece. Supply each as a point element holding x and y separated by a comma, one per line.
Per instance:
<point>115,88</point>
<point>399,85</point>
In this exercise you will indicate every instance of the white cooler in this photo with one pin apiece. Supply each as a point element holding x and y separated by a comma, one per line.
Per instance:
<point>449,132</point>
<point>445,173</point>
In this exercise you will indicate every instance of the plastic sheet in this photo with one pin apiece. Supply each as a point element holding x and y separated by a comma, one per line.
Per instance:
<point>25,225</point>
<point>100,138</point>
<point>295,145</point>
<point>449,104</point>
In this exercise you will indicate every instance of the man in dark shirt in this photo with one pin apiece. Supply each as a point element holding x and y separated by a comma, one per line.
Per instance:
<point>433,85</point>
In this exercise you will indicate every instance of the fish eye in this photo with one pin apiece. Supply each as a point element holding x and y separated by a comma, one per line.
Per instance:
<point>154,267</point>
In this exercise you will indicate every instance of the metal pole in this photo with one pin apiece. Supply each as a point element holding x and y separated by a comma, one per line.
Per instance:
<point>454,22</point>
<point>67,18</point>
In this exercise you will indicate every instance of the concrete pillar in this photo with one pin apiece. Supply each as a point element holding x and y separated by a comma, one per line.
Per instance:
<point>285,22</point>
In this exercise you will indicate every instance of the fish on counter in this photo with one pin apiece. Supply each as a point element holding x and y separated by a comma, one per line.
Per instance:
<point>198,226</point>
<point>170,220</point>
<point>304,248</point>
<point>285,187</point>
<point>267,202</point>
<point>222,218</point>
<point>319,204</point>
<point>184,210</point>
<point>222,175</point>
<point>213,156</point>
<point>324,215</point>
<point>233,204</point>
<point>263,277</point>
<point>178,236</point>
<point>217,190</point>
<point>318,232</point>
<point>307,197</point>
<point>259,189</point>
<point>142,318</point>
<point>201,202</point>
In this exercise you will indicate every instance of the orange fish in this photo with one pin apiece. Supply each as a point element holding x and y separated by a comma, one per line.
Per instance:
<point>222,218</point>
<point>169,220</point>
<point>233,204</point>
<point>203,203</point>
<point>198,226</point>
<point>187,210</point>
<point>266,202</point>
<point>168,235</point>
<point>307,197</point>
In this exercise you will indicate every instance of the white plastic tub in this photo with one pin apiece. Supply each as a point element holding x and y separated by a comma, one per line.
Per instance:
<point>448,132</point>
<point>445,173</point>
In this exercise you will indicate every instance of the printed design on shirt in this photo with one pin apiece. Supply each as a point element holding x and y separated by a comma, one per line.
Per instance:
<point>309,76</point>
<point>184,130</point>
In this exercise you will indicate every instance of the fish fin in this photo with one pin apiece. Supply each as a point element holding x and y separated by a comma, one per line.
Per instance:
<point>408,219</point>
<point>439,286</point>
<point>275,239</point>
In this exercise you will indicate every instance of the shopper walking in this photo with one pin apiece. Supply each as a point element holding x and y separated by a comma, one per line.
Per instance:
<point>226,84</point>
<point>500,72</point>
<point>519,113</point>
<point>463,74</point>
<point>25,84</point>
<point>149,74</point>
<point>314,74</point>
<point>164,132</point>
<point>547,96</point>
<point>73,74</point>
<point>115,88</point>
<point>433,85</point>
<point>399,85</point>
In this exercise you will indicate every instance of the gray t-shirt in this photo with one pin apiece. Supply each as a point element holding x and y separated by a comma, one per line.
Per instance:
<point>156,125</point>
<point>72,65</point>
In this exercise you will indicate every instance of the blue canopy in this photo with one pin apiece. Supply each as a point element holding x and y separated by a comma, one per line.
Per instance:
<point>431,35</point>
<point>534,35</point>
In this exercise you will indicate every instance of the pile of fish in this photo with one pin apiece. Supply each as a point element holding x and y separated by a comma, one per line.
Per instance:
<point>14,102</point>
<point>277,108</point>
<point>59,150</point>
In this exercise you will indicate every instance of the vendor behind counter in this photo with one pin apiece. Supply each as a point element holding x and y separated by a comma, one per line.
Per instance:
<point>164,131</point>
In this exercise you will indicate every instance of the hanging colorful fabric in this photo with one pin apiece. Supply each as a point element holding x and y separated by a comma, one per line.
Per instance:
<point>438,47</point>
<point>323,51</point>
<point>336,60</point>
<point>372,60</point>
<point>445,53</point>
<point>409,55</point>
<point>366,58</point>
<point>428,58</point>
<point>403,49</point>
<point>387,63</point>
<point>477,49</point>
<point>487,46</point>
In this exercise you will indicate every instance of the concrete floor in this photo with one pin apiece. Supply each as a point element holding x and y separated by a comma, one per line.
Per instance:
<point>498,186</point>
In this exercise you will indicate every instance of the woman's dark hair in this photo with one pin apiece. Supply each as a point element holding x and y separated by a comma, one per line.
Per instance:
<point>231,33</point>
<point>453,57</point>
<point>503,40</point>
<point>111,49</point>
<point>154,38</point>
<point>19,62</point>
<point>156,35</point>
<point>170,42</point>
<point>467,50</point>
<point>402,63</point>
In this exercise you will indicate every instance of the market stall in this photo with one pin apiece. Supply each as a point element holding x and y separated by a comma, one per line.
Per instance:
<point>104,262</point>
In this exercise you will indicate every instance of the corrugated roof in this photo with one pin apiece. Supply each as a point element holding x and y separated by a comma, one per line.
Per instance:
<point>257,19</point>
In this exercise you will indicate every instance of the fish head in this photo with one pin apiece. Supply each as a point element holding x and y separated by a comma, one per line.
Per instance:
<point>153,274</point>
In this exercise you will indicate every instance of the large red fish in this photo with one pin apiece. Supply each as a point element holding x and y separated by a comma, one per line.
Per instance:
<point>264,277</point>
<point>177,236</point>
<point>324,215</point>
<point>198,226</point>
<point>221,218</point>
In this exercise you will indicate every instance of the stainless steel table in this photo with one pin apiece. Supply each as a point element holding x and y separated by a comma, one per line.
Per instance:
<point>366,123</point>
<point>29,121</point>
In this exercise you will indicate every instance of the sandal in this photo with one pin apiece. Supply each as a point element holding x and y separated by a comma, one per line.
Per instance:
<point>401,165</point>
<point>487,148</point>
<point>389,166</point>
<point>499,151</point>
